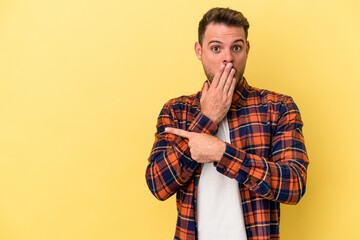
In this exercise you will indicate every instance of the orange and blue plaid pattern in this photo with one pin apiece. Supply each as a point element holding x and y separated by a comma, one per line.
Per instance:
<point>267,156</point>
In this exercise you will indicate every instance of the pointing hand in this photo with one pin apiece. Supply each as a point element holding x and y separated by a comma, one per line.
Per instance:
<point>204,147</point>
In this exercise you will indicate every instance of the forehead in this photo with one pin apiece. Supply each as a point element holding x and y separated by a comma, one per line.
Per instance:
<point>220,31</point>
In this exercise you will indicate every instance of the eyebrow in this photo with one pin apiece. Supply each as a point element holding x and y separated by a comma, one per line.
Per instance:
<point>216,41</point>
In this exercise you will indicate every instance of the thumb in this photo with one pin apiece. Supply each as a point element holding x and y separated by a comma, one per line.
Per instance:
<point>204,89</point>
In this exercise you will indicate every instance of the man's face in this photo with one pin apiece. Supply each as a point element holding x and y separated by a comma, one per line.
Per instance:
<point>223,44</point>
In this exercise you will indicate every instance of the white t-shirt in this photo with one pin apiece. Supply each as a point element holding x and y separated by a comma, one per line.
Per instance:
<point>219,209</point>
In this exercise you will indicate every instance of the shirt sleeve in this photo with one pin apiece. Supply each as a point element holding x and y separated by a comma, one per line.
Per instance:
<point>282,176</point>
<point>170,164</point>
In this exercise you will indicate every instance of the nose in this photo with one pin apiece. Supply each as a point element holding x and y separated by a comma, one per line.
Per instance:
<point>228,58</point>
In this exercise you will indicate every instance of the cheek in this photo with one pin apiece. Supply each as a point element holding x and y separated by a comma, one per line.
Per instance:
<point>210,64</point>
<point>213,59</point>
<point>240,63</point>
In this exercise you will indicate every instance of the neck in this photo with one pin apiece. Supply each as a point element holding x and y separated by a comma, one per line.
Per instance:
<point>239,83</point>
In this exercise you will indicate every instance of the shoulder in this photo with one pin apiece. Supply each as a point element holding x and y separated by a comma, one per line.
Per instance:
<point>267,96</point>
<point>275,103</point>
<point>183,102</point>
<point>179,111</point>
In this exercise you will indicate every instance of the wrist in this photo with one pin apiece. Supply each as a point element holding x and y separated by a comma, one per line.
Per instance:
<point>213,119</point>
<point>222,148</point>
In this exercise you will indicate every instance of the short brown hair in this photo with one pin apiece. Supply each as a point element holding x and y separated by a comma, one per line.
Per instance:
<point>226,16</point>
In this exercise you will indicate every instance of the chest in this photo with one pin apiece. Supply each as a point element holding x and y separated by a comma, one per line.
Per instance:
<point>251,129</point>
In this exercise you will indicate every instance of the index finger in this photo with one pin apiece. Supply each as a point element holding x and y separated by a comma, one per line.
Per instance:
<point>216,78</point>
<point>227,75</point>
<point>179,132</point>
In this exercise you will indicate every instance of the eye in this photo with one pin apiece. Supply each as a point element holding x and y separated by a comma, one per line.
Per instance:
<point>237,48</point>
<point>215,48</point>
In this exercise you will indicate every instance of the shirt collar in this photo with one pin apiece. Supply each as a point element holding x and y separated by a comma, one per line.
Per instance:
<point>241,92</point>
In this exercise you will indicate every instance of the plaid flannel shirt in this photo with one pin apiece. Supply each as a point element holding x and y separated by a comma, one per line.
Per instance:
<point>267,156</point>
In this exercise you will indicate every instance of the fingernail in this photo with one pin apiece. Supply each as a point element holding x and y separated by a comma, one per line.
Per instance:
<point>166,129</point>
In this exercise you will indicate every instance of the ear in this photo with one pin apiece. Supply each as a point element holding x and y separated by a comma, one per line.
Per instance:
<point>247,47</point>
<point>197,48</point>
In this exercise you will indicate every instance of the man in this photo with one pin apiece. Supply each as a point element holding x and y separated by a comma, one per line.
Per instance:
<point>231,153</point>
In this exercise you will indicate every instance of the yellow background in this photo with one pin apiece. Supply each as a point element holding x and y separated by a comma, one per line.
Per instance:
<point>82,83</point>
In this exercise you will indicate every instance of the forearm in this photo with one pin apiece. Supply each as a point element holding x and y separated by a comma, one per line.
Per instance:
<point>170,167</point>
<point>170,163</point>
<point>282,179</point>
